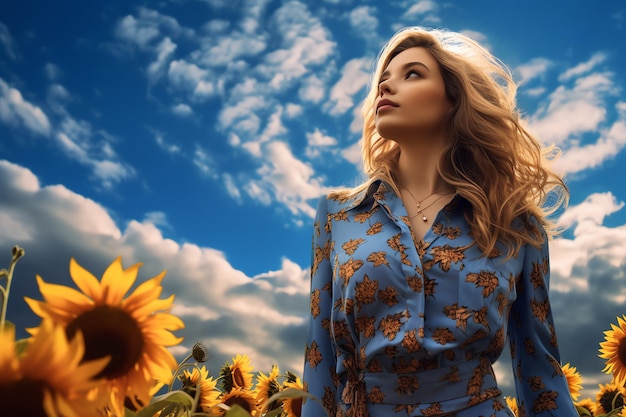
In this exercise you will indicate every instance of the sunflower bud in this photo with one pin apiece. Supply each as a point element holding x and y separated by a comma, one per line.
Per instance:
<point>200,353</point>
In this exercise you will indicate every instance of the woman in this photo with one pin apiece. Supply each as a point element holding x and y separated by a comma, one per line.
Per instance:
<point>419,275</point>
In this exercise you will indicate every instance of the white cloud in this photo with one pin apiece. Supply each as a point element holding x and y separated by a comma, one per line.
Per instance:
<point>7,43</point>
<point>131,29</point>
<point>293,110</point>
<point>292,181</point>
<point>364,19</point>
<point>352,154</point>
<point>228,49</point>
<point>17,112</point>
<point>364,24</point>
<point>231,186</point>
<point>355,76</point>
<point>305,45</point>
<point>217,302</point>
<point>182,109</point>
<point>159,138</point>
<point>243,111</point>
<point>317,142</point>
<point>583,67</point>
<point>204,161</point>
<point>574,110</point>
<point>313,89</point>
<point>424,10</point>
<point>188,76</point>
<point>165,50</point>
<point>52,71</point>
<point>57,98</point>
<point>78,141</point>
<point>535,68</point>
<point>610,142</point>
<point>533,92</point>
<point>148,27</point>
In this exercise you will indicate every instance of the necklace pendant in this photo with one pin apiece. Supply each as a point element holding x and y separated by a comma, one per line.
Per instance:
<point>424,218</point>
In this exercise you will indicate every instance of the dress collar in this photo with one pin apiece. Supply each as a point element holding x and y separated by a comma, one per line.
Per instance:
<point>381,193</point>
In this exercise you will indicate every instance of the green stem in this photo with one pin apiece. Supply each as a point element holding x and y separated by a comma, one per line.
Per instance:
<point>177,371</point>
<point>17,254</point>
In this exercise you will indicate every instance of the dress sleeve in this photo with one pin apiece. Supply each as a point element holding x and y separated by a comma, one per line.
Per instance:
<point>319,374</point>
<point>541,387</point>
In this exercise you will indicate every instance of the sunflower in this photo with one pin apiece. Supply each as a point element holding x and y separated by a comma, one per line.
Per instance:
<point>208,388</point>
<point>587,404</point>
<point>266,386</point>
<point>132,331</point>
<point>241,397</point>
<point>574,380</point>
<point>512,403</point>
<point>48,379</point>
<point>609,397</point>
<point>293,406</point>
<point>238,374</point>
<point>613,349</point>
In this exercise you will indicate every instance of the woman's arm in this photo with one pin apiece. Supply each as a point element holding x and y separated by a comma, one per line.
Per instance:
<point>541,387</point>
<point>319,361</point>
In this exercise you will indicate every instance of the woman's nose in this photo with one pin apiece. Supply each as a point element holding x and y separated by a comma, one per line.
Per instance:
<point>384,88</point>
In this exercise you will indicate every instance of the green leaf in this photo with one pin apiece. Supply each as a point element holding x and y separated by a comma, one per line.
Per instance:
<point>582,411</point>
<point>176,402</point>
<point>237,411</point>
<point>291,393</point>
<point>21,346</point>
<point>274,413</point>
<point>129,413</point>
<point>8,326</point>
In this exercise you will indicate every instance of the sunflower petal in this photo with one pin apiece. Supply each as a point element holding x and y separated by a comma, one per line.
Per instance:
<point>116,281</point>
<point>85,280</point>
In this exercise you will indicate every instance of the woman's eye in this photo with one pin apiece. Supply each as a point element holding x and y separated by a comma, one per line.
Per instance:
<point>413,74</point>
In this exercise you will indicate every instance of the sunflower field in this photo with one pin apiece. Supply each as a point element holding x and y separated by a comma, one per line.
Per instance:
<point>102,352</point>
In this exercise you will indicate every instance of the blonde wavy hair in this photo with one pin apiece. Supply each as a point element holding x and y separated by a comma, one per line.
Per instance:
<point>491,158</point>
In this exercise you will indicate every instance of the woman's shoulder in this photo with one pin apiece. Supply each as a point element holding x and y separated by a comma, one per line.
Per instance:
<point>345,198</point>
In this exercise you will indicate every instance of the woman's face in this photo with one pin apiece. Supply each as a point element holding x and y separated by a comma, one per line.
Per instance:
<point>411,99</point>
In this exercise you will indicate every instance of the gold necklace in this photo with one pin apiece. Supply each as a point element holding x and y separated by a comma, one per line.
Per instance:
<point>418,204</point>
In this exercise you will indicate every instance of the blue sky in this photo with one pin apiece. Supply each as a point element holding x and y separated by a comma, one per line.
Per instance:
<point>196,136</point>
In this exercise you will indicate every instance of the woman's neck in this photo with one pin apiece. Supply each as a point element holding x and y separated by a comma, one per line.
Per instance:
<point>418,171</point>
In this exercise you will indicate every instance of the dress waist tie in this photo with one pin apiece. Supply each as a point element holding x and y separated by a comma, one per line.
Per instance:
<point>433,392</point>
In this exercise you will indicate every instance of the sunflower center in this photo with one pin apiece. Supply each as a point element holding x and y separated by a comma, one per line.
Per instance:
<point>240,402</point>
<point>22,398</point>
<point>606,400</point>
<point>238,378</point>
<point>109,331</point>
<point>296,406</point>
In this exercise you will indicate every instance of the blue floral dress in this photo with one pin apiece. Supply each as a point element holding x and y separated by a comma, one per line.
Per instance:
<point>406,329</point>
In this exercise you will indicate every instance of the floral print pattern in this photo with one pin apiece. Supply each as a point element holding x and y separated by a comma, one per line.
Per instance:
<point>406,328</point>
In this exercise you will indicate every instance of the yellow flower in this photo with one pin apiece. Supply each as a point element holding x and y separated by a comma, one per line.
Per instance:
<point>208,391</point>
<point>613,349</point>
<point>238,374</point>
<point>512,403</point>
<point>609,396</point>
<point>293,406</point>
<point>266,386</point>
<point>49,378</point>
<point>587,403</point>
<point>574,380</point>
<point>241,397</point>
<point>132,331</point>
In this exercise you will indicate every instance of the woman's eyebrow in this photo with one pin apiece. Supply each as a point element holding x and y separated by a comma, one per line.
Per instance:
<point>407,66</point>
